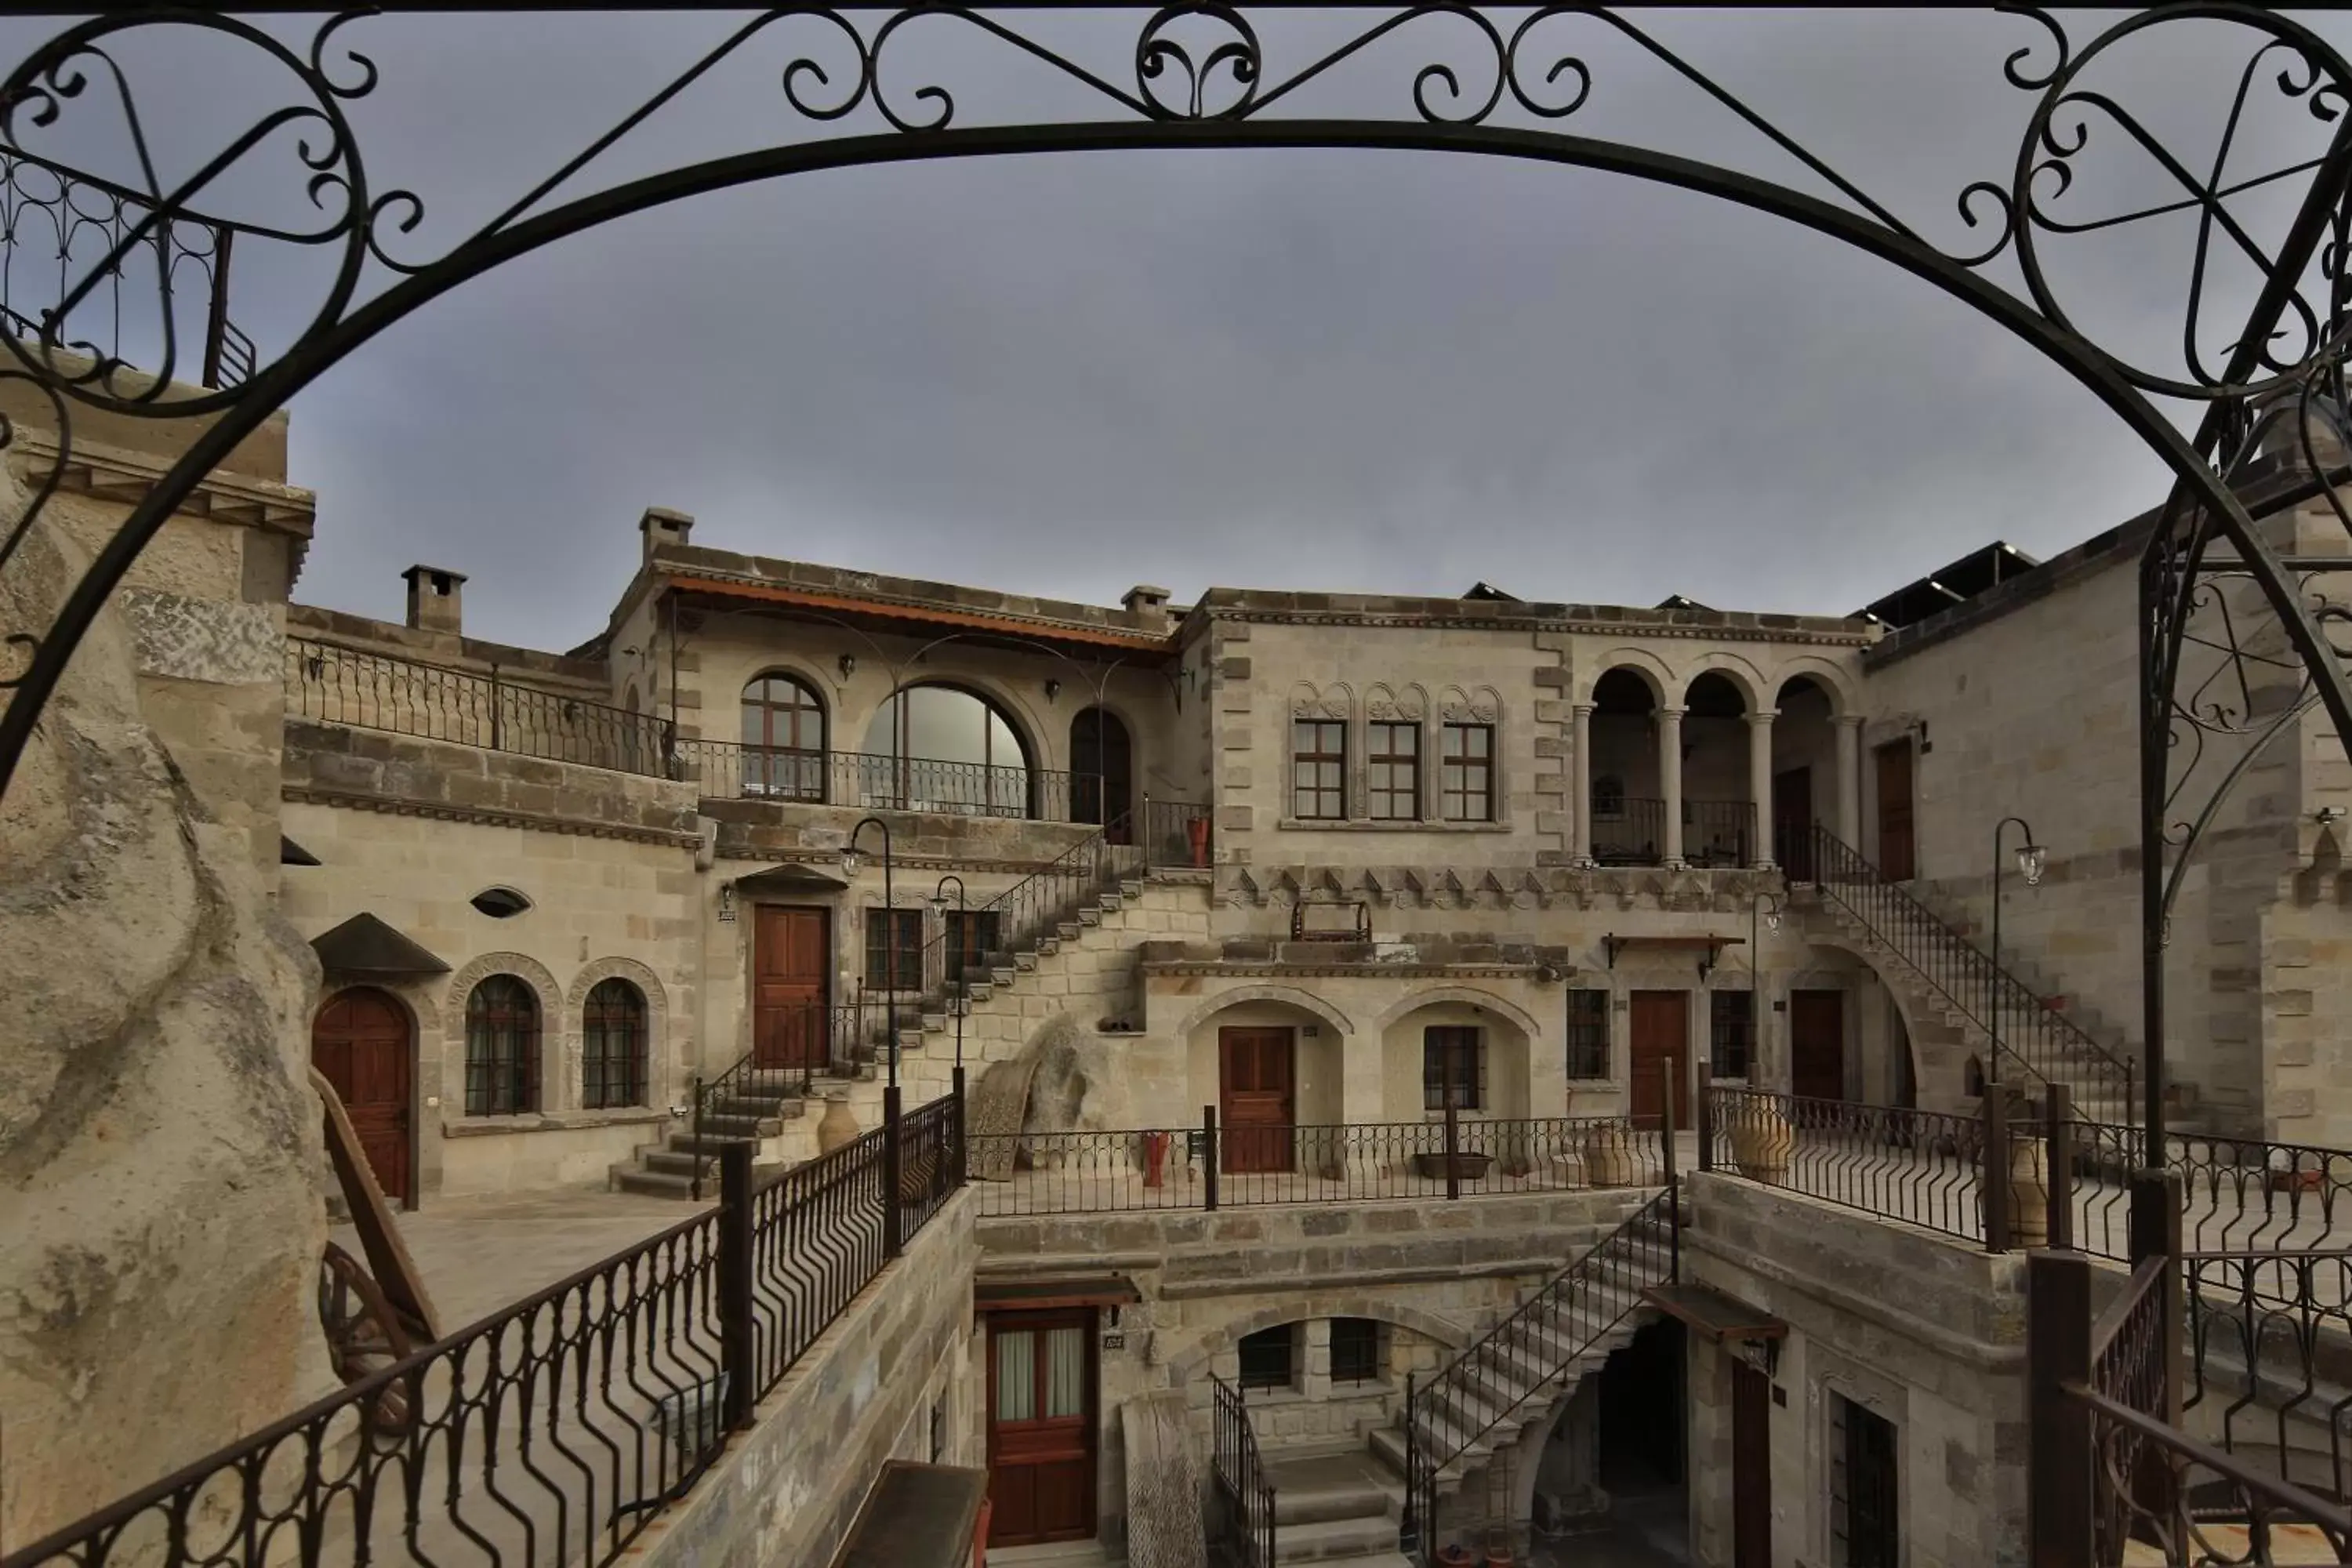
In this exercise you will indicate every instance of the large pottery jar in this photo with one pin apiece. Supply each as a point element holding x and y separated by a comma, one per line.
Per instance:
<point>2029,1192</point>
<point>839,1127</point>
<point>1761,1141</point>
<point>1609,1155</point>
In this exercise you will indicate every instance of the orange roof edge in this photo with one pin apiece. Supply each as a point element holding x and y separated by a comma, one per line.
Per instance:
<point>769,594</point>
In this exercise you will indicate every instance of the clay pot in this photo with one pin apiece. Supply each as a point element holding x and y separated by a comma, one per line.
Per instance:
<point>839,1126</point>
<point>1608,1156</point>
<point>1455,1557</point>
<point>1762,1140</point>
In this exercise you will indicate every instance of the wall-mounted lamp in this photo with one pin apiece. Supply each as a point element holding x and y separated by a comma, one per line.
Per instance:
<point>2329,814</point>
<point>1114,1314</point>
<point>727,903</point>
<point>848,663</point>
<point>1052,690</point>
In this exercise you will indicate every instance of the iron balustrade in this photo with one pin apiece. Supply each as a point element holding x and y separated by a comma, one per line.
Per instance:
<point>337,685</point>
<point>51,214</point>
<point>1715,833</point>
<point>2031,1034</point>
<point>1631,833</point>
<point>1242,1522</point>
<point>1175,833</point>
<point>1718,833</point>
<point>1529,1354</point>
<point>726,770</point>
<point>555,1430</point>
<point>1115,1172</point>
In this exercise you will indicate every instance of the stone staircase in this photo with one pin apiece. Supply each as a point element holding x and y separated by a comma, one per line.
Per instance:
<point>1949,987</point>
<point>1343,1508</point>
<point>997,1016</point>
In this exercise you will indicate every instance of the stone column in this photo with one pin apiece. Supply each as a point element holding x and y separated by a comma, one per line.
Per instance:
<point>1760,784</point>
<point>1579,788</point>
<point>1849,779</point>
<point>1670,780</point>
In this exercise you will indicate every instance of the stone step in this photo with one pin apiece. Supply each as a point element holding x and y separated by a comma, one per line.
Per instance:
<point>672,1162</point>
<point>1325,1539</point>
<point>656,1183</point>
<point>760,1108</point>
<point>1318,1488</point>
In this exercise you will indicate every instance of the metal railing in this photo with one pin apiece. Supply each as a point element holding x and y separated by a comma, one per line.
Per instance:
<point>336,685</point>
<point>729,769</point>
<point>1529,1354</point>
<point>1715,833</point>
<point>1241,1526</point>
<point>1175,833</point>
<point>1206,1167</point>
<point>555,1430</point>
<point>2030,1033</point>
<point>55,224</point>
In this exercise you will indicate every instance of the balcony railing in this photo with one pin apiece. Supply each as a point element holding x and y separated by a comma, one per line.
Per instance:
<point>730,770</point>
<point>1629,832</point>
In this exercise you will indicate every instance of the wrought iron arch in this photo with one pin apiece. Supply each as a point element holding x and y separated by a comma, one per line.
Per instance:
<point>1221,91</point>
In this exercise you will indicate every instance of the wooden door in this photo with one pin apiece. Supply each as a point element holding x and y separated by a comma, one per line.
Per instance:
<point>360,1042</point>
<point>1041,1426</point>
<point>1751,1467</point>
<point>1792,823</point>
<point>1255,1090</point>
<point>1661,1033</point>
<point>1102,772</point>
<point>1817,1045</point>
<point>1898,851</point>
<point>792,961</point>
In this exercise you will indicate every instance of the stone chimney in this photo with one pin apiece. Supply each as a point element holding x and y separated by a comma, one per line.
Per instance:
<point>662,526</point>
<point>1147,603</point>
<point>436,602</point>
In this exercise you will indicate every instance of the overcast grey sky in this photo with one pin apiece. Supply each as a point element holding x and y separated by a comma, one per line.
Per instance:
<point>1354,370</point>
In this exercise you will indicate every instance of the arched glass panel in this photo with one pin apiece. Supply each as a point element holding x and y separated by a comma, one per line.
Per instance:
<point>501,1048</point>
<point>938,748</point>
<point>613,1045</point>
<point>784,739</point>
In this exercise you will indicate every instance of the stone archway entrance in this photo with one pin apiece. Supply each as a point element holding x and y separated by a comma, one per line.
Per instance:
<point>365,1046</point>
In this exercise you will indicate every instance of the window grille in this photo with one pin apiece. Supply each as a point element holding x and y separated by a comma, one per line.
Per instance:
<point>613,1046</point>
<point>1587,1034</point>
<point>1731,1033</point>
<point>1354,1350</point>
<point>1269,1358</point>
<point>1453,1052</point>
<point>501,1048</point>
<point>894,934</point>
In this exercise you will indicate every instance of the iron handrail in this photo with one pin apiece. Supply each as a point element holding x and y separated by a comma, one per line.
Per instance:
<point>1971,982</point>
<point>1245,1521</point>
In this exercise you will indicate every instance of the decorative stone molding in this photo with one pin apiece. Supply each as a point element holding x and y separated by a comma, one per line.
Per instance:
<point>1706,890</point>
<point>117,474</point>
<point>441,810</point>
<point>1569,619</point>
<point>554,1088</point>
<point>1373,970</point>
<point>1483,706</point>
<point>1335,702</point>
<point>1386,705</point>
<point>1441,996</point>
<point>1289,995</point>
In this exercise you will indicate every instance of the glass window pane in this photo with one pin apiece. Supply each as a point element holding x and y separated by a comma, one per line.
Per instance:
<point>1065,1373</point>
<point>1016,1377</point>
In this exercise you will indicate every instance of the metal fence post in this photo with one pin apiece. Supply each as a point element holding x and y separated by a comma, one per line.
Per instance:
<point>1209,1156</point>
<point>1706,1116</point>
<point>695,1188</point>
<point>1409,1524</point>
<point>736,1341</point>
<point>1453,1144</point>
<point>893,1220</point>
<point>1993,1182</point>
<point>962,1138</point>
<point>1670,1074</point>
<point>2060,1138</point>
<point>2059,1461</point>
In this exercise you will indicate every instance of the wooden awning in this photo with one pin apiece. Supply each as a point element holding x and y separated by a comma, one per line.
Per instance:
<point>1713,1315</point>
<point>1030,1293</point>
<point>917,1516</point>
<point>364,947</point>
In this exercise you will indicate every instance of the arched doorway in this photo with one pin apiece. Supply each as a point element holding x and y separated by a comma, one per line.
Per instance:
<point>361,1041</point>
<point>1102,772</point>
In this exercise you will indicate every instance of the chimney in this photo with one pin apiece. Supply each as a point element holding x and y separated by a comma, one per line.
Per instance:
<point>1147,603</point>
<point>662,526</point>
<point>435,601</point>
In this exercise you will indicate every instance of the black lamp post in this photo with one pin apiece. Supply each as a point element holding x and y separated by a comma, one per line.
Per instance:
<point>2030,858</point>
<point>850,856</point>
<point>963,980</point>
<point>1757,1004</point>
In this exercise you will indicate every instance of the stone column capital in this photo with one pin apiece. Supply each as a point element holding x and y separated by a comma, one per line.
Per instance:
<point>1581,709</point>
<point>1846,720</point>
<point>1674,713</point>
<point>1764,717</point>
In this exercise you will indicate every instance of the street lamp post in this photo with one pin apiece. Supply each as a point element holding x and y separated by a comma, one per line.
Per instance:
<point>2030,858</point>
<point>1757,1004</point>
<point>891,1186</point>
<point>963,981</point>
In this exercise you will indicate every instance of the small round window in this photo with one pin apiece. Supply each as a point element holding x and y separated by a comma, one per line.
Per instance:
<point>500,903</point>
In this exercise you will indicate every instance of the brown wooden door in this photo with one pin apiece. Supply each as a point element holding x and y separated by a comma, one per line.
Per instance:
<point>1256,1110</point>
<point>1817,1044</point>
<point>1792,823</point>
<point>792,961</point>
<point>360,1042</point>
<point>1897,852</point>
<point>1041,1426</point>
<point>1751,1468</point>
<point>1661,1033</point>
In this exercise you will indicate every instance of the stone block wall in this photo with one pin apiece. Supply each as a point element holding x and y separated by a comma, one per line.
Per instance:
<point>1435,1274</point>
<point>789,1490</point>
<point>1926,1332</point>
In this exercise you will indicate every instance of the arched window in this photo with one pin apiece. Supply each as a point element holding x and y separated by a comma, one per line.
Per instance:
<point>501,1048</point>
<point>940,747</point>
<point>613,1045</point>
<point>784,739</point>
